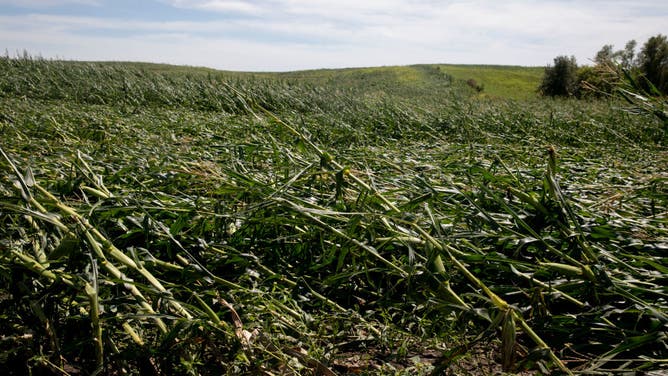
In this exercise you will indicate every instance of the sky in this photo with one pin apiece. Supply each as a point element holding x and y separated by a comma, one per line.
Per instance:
<point>285,35</point>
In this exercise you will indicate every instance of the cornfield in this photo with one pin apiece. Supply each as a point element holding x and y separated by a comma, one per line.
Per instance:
<point>220,223</point>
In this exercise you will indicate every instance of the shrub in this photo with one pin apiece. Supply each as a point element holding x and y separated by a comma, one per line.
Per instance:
<point>560,79</point>
<point>475,85</point>
<point>597,81</point>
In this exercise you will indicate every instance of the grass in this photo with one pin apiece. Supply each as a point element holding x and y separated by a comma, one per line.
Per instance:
<point>420,82</point>
<point>519,83</point>
<point>374,221</point>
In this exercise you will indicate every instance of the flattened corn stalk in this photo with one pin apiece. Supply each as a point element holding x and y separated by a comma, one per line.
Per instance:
<point>507,310</point>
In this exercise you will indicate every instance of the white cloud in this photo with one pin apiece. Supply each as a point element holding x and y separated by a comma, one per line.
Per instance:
<point>228,6</point>
<point>292,34</point>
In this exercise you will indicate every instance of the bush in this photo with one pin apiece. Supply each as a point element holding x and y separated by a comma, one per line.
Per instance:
<point>597,81</point>
<point>475,85</point>
<point>560,79</point>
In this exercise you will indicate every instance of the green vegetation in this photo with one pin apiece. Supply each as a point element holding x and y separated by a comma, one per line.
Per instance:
<point>421,82</point>
<point>653,64</point>
<point>159,220</point>
<point>518,83</point>
<point>648,72</point>
<point>561,80</point>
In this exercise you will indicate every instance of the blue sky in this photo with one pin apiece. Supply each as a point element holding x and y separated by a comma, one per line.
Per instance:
<point>280,35</point>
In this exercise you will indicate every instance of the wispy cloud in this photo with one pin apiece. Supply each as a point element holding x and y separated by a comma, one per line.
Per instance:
<point>36,4</point>
<point>220,5</point>
<point>433,21</point>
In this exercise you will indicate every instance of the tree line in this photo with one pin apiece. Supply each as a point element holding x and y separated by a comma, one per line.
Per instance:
<point>648,70</point>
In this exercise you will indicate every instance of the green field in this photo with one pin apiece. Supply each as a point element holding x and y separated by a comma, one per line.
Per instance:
<point>390,221</point>
<point>500,81</point>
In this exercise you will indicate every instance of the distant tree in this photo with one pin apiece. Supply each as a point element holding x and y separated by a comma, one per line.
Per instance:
<point>605,75</point>
<point>627,55</point>
<point>608,56</point>
<point>653,63</point>
<point>560,79</point>
<point>605,55</point>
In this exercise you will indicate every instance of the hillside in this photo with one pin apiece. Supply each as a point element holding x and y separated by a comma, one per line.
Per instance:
<point>501,82</point>
<point>504,82</point>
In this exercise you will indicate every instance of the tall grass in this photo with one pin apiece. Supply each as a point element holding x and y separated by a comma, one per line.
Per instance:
<point>164,223</point>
